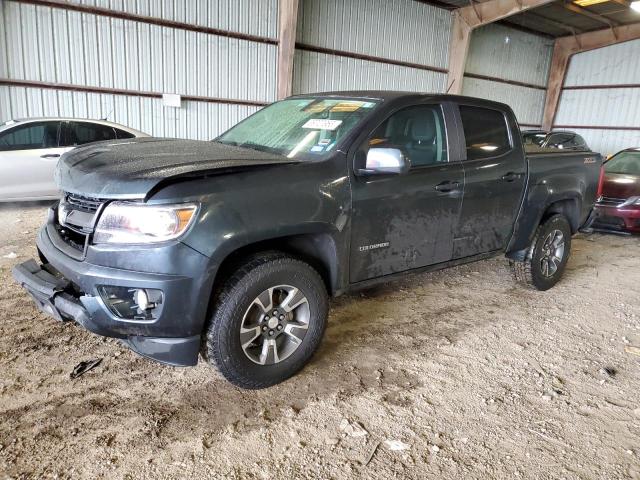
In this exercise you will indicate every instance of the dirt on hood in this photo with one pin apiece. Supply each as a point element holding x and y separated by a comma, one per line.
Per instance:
<point>131,168</point>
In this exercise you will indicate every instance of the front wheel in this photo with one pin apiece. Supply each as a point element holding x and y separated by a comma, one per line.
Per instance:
<point>268,320</point>
<point>548,255</point>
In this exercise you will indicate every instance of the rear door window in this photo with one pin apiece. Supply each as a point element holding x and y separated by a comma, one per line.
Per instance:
<point>80,133</point>
<point>30,136</point>
<point>486,132</point>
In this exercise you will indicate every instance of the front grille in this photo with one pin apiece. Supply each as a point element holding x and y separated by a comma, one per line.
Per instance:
<point>85,204</point>
<point>75,220</point>
<point>611,201</point>
<point>611,221</point>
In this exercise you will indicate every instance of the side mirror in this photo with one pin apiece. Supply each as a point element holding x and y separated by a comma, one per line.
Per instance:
<point>384,161</point>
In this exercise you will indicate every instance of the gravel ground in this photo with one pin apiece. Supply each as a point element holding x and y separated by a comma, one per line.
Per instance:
<point>455,374</point>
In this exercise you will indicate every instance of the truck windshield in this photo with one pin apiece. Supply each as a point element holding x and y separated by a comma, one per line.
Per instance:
<point>303,128</point>
<point>624,162</point>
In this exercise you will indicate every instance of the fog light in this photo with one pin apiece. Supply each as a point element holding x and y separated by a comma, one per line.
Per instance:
<point>132,303</point>
<point>141,298</point>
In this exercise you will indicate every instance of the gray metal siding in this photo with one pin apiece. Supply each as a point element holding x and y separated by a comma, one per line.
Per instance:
<point>509,54</point>
<point>513,55</point>
<point>107,52</point>
<point>604,107</point>
<point>402,30</point>
<point>316,72</point>
<point>254,17</point>
<point>612,65</point>
<point>527,103</point>
<point>196,120</point>
<point>53,45</point>
<point>600,107</point>
<point>609,142</point>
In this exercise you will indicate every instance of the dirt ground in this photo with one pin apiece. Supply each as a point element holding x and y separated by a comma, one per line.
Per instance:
<point>470,375</point>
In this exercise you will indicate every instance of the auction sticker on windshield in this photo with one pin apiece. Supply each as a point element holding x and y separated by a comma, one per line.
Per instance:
<point>322,124</point>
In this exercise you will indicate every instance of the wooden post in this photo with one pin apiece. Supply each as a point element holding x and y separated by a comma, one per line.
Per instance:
<point>557,72</point>
<point>565,47</point>
<point>287,22</point>
<point>458,50</point>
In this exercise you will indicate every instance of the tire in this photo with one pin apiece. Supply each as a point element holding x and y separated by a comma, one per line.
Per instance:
<point>532,271</point>
<point>241,303</point>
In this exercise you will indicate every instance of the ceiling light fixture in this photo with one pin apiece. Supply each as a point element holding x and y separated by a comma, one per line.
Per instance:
<point>586,3</point>
<point>635,5</point>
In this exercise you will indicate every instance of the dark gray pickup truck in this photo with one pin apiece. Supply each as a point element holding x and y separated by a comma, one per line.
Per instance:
<point>231,248</point>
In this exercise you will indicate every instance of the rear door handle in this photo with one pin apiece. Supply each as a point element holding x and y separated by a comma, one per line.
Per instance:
<point>447,186</point>
<point>50,155</point>
<point>511,177</point>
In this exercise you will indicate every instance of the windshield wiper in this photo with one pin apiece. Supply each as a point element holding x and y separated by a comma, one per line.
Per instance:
<point>262,148</point>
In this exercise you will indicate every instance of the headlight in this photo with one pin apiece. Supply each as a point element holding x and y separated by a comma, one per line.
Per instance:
<point>124,222</point>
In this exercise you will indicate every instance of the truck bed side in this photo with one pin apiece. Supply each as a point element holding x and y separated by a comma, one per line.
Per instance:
<point>557,182</point>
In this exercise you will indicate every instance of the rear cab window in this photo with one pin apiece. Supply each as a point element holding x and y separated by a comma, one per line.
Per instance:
<point>486,132</point>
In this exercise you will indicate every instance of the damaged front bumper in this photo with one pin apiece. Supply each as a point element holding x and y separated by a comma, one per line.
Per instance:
<point>71,290</point>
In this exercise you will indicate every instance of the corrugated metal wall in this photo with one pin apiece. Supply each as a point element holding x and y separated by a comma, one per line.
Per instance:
<point>400,44</point>
<point>196,120</point>
<point>401,31</point>
<point>515,56</point>
<point>615,106</point>
<point>55,45</point>
<point>256,17</point>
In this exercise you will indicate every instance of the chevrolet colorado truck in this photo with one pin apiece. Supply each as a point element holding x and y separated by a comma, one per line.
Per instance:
<point>231,248</point>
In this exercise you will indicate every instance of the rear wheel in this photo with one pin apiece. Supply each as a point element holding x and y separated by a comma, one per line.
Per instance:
<point>268,320</point>
<point>548,255</point>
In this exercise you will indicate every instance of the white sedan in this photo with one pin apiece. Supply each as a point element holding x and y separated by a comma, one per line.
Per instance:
<point>30,149</point>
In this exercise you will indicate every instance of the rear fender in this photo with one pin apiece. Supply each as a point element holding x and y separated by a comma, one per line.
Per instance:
<point>542,202</point>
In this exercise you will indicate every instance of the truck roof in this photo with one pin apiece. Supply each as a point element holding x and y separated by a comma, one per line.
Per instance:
<point>397,95</point>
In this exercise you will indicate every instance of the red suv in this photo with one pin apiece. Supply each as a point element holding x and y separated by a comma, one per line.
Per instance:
<point>618,205</point>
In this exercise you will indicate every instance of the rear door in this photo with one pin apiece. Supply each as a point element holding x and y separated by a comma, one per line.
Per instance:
<point>495,172</point>
<point>28,157</point>
<point>406,221</point>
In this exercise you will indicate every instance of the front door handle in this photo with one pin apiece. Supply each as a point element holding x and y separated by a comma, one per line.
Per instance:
<point>447,186</point>
<point>50,155</point>
<point>511,177</point>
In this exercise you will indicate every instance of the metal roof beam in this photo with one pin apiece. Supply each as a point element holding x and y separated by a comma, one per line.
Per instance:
<point>468,18</point>
<point>565,47</point>
<point>572,7</point>
<point>562,26</point>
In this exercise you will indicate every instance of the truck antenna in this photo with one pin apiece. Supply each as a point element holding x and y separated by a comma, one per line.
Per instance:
<point>450,85</point>
<point>107,116</point>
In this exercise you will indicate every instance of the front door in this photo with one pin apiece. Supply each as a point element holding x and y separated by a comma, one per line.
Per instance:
<point>406,221</point>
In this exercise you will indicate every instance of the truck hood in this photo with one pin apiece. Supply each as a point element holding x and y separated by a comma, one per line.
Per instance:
<point>133,168</point>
